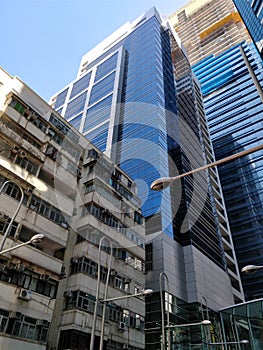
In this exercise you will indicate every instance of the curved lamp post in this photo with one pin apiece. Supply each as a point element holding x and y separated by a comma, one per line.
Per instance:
<point>163,274</point>
<point>8,229</point>
<point>251,268</point>
<point>93,329</point>
<point>144,292</point>
<point>34,239</point>
<point>165,182</point>
<point>201,323</point>
<point>243,341</point>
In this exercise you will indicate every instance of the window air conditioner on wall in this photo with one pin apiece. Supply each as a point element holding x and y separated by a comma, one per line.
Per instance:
<point>24,294</point>
<point>121,326</point>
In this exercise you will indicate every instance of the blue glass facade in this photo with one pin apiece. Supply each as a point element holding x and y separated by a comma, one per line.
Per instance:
<point>139,105</point>
<point>143,128</point>
<point>251,12</point>
<point>233,103</point>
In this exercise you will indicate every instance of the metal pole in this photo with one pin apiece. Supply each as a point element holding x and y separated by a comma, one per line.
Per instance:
<point>15,214</point>
<point>207,336</point>
<point>162,183</point>
<point>105,296</point>
<point>163,274</point>
<point>93,329</point>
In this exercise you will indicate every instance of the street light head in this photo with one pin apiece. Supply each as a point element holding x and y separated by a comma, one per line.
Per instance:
<point>147,292</point>
<point>161,184</point>
<point>250,268</point>
<point>37,238</point>
<point>244,341</point>
<point>206,322</point>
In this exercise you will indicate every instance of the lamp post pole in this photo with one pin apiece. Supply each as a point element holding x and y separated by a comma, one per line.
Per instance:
<point>8,229</point>
<point>93,329</point>
<point>163,274</point>
<point>243,341</point>
<point>164,182</point>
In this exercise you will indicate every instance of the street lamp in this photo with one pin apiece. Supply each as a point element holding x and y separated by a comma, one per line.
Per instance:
<point>165,182</point>
<point>144,292</point>
<point>163,274</point>
<point>34,240</point>
<point>92,337</point>
<point>243,341</point>
<point>251,268</point>
<point>201,323</point>
<point>8,229</point>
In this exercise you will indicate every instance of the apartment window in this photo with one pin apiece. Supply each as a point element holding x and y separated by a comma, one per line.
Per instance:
<point>26,327</point>
<point>12,190</point>
<point>3,320</point>
<point>115,313</point>
<point>46,209</point>
<point>85,265</point>
<point>26,164</point>
<point>137,218</point>
<point>89,187</point>
<point>81,300</point>
<point>4,222</point>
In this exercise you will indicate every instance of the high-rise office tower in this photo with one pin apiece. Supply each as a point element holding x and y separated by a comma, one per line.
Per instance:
<point>251,12</point>
<point>208,26</point>
<point>136,98</point>
<point>230,72</point>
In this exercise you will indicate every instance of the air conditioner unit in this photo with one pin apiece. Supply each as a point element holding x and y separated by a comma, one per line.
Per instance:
<point>113,273</point>
<point>24,294</point>
<point>68,294</point>
<point>126,346</point>
<point>121,326</point>
<point>43,323</point>
<point>22,154</point>
<point>2,214</point>
<point>74,260</point>
<point>64,224</point>
<point>20,267</point>
<point>15,314</point>
<point>29,190</point>
<point>15,149</point>
<point>44,277</point>
<point>2,267</point>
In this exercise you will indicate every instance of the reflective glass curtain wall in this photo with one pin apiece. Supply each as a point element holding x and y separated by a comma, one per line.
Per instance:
<point>233,102</point>
<point>251,12</point>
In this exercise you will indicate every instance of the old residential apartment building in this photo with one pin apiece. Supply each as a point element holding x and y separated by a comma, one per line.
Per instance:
<point>65,189</point>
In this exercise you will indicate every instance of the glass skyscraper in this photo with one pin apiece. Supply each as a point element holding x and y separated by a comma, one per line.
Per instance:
<point>230,73</point>
<point>232,86</point>
<point>136,98</point>
<point>251,12</point>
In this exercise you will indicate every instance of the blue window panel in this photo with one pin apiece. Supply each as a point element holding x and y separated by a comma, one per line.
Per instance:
<point>98,113</point>
<point>80,85</point>
<point>102,88</point>
<point>76,106</point>
<point>106,67</point>
<point>76,121</point>
<point>61,99</point>
<point>99,137</point>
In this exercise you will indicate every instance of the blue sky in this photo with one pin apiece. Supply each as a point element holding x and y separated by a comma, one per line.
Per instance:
<point>43,40</point>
